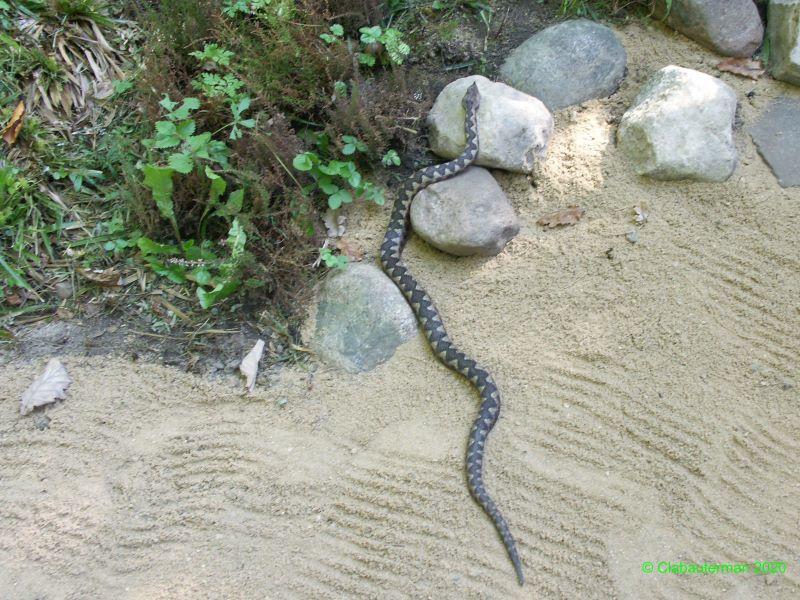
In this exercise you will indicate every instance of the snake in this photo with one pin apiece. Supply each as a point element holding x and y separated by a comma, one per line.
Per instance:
<point>431,321</point>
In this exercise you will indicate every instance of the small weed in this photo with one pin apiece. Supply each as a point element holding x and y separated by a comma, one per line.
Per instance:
<point>599,9</point>
<point>339,180</point>
<point>331,260</point>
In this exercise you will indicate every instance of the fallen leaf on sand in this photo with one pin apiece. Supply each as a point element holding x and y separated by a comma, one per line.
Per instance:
<point>108,276</point>
<point>14,125</point>
<point>351,251</point>
<point>745,67</point>
<point>335,223</point>
<point>641,214</point>
<point>50,386</point>
<point>568,216</point>
<point>249,365</point>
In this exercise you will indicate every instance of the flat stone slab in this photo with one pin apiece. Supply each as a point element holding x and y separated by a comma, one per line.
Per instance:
<point>361,320</point>
<point>777,137</point>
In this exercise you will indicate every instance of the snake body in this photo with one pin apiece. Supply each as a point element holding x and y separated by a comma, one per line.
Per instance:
<point>431,322</point>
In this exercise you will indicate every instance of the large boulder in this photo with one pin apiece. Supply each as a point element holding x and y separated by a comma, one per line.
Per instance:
<point>513,128</point>
<point>567,64</point>
<point>361,319</point>
<point>729,27</point>
<point>681,127</point>
<point>783,25</point>
<point>465,215</point>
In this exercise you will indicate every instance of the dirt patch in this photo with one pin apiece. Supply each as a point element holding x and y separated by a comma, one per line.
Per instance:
<point>651,414</point>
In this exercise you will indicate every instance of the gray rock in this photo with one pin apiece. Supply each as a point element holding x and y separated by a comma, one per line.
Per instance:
<point>567,64</point>
<point>361,319</point>
<point>729,27</point>
<point>783,25</point>
<point>777,137</point>
<point>514,128</point>
<point>465,215</point>
<point>681,127</point>
<point>64,290</point>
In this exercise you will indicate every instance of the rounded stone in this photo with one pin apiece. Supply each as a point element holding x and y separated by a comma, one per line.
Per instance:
<point>567,64</point>
<point>362,317</point>
<point>513,128</point>
<point>681,127</point>
<point>729,27</point>
<point>64,290</point>
<point>465,215</point>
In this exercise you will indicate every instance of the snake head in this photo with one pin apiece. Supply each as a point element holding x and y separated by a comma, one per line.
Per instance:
<point>472,98</point>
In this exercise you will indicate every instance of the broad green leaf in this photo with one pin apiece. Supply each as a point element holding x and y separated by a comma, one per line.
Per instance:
<point>348,149</point>
<point>166,135</point>
<point>200,275</point>
<point>354,179</point>
<point>337,30</point>
<point>249,123</point>
<point>167,103</point>
<point>189,104</point>
<point>159,180</point>
<point>218,152</point>
<point>236,238</point>
<point>366,59</point>
<point>218,186</point>
<point>148,246</point>
<point>171,271</point>
<point>210,173</point>
<point>185,128</point>
<point>241,106</point>
<point>370,34</point>
<point>302,162</point>
<point>234,204</point>
<point>327,186</point>
<point>339,198</point>
<point>199,144</point>
<point>220,292</point>
<point>181,162</point>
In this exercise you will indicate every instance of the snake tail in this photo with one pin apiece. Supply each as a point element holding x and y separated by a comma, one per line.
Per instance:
<point>431,322</point>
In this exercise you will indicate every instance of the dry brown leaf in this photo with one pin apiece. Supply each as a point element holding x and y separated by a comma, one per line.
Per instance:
<point>14,125</point>
<point>335,223</point>
<point>108,276</point>
<point>351,251</point>
<point>745,67</point>
<point>47,388</point>
<point>567,216</point>
<point>14,300</point>
<point>249,365</point>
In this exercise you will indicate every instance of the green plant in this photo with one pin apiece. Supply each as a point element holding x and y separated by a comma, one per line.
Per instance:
<point>391,158</point>
<point>336,33</point>
<point>214,54</point>
<point>390,39</point>
<point>216,278</point>
<point>339,180</point>
<point>374,42</point>
<point>331,260</point>
<point>190,152</point>
<point>598,9</point>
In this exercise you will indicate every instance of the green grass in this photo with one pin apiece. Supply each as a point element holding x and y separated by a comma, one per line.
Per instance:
<point>605,9</point>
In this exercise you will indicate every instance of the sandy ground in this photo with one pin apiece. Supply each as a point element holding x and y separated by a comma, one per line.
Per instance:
<point>651,414</point>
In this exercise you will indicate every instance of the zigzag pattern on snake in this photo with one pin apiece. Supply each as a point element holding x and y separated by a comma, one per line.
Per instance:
<point>431,322</point>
